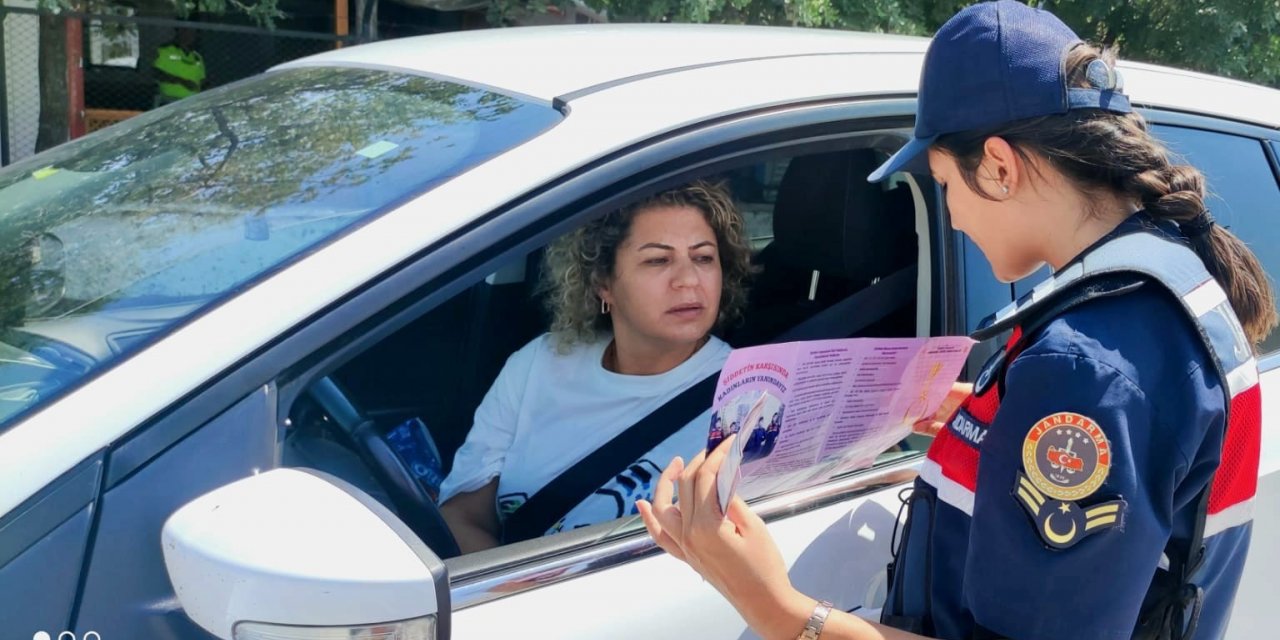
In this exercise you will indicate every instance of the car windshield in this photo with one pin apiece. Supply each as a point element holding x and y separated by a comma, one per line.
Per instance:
<point>108,242</point>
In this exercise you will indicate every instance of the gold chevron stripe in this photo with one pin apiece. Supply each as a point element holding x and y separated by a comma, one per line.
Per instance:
<point>1031,503</point>
<point>1098,522</point>
<point>1035,494</point>
<point>1102,510</point>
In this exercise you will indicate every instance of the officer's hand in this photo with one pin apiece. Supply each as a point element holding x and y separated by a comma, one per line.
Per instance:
<point>930,426</point>
<point>735,553</point>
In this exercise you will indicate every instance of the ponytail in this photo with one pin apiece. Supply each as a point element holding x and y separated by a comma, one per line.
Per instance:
<point>1176,192</point>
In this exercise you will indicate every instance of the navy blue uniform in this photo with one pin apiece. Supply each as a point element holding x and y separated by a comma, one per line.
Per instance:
<point>1044,511</point>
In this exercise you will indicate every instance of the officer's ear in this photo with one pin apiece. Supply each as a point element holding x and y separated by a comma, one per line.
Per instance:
<point>1002,171</point>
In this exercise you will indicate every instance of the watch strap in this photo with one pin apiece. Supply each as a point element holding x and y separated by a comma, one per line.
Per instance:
<point>813,626</point>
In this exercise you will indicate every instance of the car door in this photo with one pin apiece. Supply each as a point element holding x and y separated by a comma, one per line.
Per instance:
<point>836,536</point>
<point>1238,162</point>
<point>835,539</point>
<point>108,579</point>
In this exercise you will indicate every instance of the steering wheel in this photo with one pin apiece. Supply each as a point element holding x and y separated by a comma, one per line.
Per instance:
<point>413,504</point>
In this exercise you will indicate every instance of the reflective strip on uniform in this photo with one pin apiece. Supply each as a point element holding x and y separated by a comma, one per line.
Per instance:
<point>1179,269</point>
<point>1233,516</point>
<point>949,491</point>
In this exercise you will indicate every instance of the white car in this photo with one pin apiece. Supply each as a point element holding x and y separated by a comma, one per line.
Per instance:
<point>276,275</point>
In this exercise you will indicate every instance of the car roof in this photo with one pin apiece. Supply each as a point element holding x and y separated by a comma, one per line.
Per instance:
<point>566,61</point>
<point>553,61</point>
<point>1181,90</point>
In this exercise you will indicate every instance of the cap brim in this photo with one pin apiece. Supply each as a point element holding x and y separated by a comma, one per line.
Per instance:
<point>911,158</point>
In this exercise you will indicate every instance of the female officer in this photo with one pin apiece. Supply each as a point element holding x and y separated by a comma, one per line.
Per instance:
<point>1097,482</point>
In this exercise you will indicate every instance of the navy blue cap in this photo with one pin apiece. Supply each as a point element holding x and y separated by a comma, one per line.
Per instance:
<point>994,63</point>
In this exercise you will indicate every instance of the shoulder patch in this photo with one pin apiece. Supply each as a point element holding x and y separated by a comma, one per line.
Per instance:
<point>1061,523</point>
<point>1066,456</point>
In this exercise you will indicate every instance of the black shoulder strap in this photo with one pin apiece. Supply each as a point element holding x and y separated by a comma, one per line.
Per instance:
<point>571,487</point>
<point>858,311</point>
<point>1101,286</point>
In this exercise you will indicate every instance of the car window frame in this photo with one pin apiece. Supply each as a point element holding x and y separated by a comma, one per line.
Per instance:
<point>427,275</point>
<point>1267,138</point>
<point>442,269</point>
<point>1271,361</point>
<point>471,578</point>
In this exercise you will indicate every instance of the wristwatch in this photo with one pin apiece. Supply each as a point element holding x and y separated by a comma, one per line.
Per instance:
<point>813,627</point>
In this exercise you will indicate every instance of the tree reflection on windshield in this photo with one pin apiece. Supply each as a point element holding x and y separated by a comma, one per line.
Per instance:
<point>194,200</point>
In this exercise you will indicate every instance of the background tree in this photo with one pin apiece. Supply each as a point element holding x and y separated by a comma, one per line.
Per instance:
<point>1234,38</point>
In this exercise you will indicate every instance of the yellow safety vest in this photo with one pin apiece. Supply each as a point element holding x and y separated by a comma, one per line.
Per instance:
<point>187,65</point>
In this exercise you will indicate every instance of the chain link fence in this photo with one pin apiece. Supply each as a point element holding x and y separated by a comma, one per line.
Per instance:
<point>71,74</point>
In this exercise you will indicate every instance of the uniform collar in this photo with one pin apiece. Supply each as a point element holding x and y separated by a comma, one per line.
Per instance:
<point>1138,222</point>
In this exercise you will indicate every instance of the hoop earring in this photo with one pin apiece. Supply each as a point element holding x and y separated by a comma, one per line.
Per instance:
<point>604,307</point>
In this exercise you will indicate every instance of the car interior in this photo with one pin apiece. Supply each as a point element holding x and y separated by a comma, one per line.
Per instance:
<point>390,419</point>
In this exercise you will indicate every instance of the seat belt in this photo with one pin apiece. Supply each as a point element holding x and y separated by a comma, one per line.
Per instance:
<point>575,484</point>
<point>858,311</point>
<point>553,502</point>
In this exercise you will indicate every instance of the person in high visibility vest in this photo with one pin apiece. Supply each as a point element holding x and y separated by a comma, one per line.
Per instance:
<point>179,68</point>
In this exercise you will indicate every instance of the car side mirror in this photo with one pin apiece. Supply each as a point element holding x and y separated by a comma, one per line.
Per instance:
<point>300,554</point>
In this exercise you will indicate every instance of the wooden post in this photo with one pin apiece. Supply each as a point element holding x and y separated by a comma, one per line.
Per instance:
<point>340,20</point>
<point>75,78</point>
<point>4,97</point>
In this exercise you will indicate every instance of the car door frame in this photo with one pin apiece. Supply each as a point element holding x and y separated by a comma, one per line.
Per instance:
<point>440,271</point>
<point>533,222</point>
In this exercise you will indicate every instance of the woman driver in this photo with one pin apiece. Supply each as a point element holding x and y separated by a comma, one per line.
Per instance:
<point>635,296</point>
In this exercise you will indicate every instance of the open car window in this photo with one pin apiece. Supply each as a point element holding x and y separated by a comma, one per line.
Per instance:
<point>423,384</point>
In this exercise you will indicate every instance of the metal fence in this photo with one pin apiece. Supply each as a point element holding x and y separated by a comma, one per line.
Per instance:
<point>65,75</point>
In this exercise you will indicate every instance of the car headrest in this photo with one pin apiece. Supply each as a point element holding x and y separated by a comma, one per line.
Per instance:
<point>828,218</point>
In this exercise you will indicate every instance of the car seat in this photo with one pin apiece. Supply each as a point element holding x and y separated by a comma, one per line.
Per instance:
<point>834,235</point>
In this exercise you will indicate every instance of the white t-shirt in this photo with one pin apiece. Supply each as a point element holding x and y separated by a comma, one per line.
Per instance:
<point>547,410</point>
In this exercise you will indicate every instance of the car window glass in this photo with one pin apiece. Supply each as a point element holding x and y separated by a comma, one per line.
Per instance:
<point>110,240</point>
<point>1243,194</point>
<point>755,191</point>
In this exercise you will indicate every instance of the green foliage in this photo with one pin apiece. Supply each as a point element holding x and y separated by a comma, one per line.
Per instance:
<point>892,16</point>
<point>262,12</point>
<point>1235,38</point>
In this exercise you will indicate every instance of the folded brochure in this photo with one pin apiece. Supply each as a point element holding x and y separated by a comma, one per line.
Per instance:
<point>806,411</point>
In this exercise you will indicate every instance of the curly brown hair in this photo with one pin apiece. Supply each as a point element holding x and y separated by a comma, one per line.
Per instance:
<point>577,264</point>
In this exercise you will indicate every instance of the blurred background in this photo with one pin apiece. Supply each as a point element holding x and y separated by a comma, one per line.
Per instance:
<point>69,67</point>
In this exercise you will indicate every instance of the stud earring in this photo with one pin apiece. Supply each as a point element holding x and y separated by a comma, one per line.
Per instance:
<point>1005,189</point>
